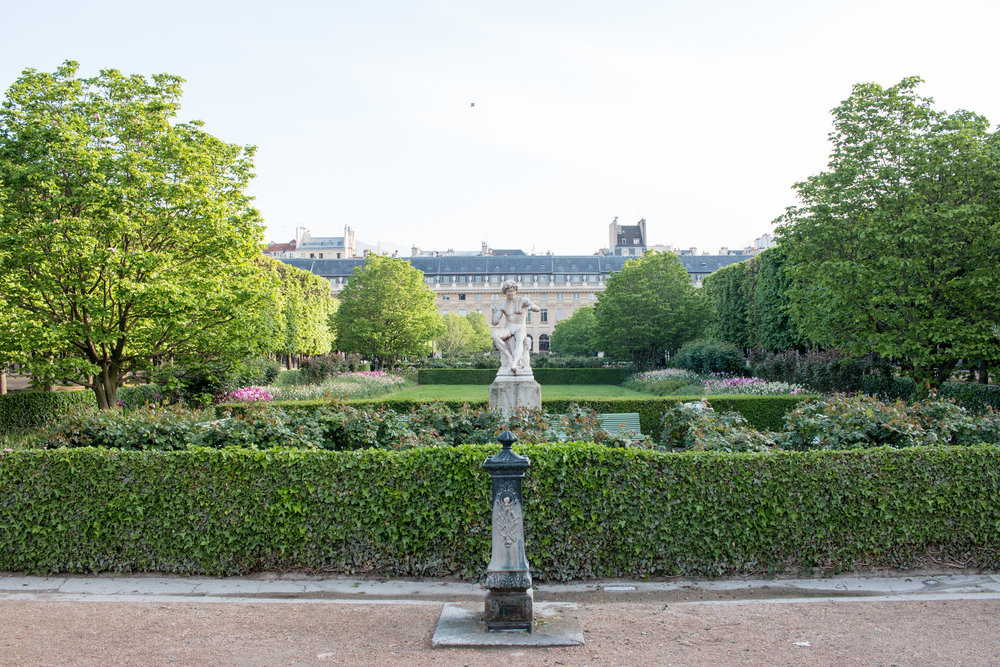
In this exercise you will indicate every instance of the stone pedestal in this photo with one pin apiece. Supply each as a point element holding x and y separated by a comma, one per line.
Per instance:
<point>509,602</point>
<point>510,392</point>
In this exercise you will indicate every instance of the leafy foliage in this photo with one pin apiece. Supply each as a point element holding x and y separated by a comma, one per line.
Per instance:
<point>697,426</point>
<point>848,422</point>
<point>648,308</point>
<point>590,511</point>
<point>711,356</point>
<point>893,247</point>
<point>576,334</point>
<point>134,236</point>
<point>33,409</point>
<point>386,311</point>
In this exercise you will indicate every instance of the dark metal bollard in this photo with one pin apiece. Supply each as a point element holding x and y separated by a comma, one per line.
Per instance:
<point>509,602</point>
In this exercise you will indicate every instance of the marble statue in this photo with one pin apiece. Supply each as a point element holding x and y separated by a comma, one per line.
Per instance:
<point>511,338</point>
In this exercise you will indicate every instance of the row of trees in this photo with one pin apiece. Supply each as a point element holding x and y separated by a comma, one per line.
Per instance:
<point>892,249</point>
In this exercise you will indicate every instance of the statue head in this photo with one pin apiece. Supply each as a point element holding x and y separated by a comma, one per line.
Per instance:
<point>508,285</point>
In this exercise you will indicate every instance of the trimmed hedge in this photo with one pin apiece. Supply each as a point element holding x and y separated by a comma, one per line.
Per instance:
<point>542,375</point>
<point>34,409</point>
<point>972,396</point>
<point>764,413</point>
<point>590,511</point>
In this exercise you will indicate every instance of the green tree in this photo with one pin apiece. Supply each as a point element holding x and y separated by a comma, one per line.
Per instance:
<point>769,317</point>
<point>123,236</point>
<point>576,334</point>
<point>386,312</point>
<point>457,336</point>
<point>302,307</point>
<point>482,340</point>
<point>893,248</point>
<point>726,291</point>
<point>649,308</point>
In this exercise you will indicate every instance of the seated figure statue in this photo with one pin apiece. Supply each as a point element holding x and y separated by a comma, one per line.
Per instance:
<point>511,339</point>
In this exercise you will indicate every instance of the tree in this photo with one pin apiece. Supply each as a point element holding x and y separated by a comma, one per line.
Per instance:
<point>893,248</point>
<point>482,339</point>
<point>386,311</point>
<point>726,291</point>
<point>575,335</point>
<point>650,307</point>
<point>123,237</point>
<point>457,336</point>
<point>303,308</point>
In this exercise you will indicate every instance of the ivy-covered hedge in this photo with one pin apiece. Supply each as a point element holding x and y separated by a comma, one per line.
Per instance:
<point>764,413</point>
<point>542,375</point>
<point>33,409</point>
<point>590,511</point>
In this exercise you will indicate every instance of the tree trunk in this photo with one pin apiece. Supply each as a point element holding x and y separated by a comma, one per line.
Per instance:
<point>3,382</point>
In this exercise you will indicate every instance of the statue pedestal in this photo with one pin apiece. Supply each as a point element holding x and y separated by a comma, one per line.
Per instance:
<point>510,392</point>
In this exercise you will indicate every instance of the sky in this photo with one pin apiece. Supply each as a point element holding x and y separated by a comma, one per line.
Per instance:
<point>446,124</point>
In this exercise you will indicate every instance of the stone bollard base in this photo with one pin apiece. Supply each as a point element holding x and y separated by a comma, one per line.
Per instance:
<point>509,611</point>
<point>510,392</point>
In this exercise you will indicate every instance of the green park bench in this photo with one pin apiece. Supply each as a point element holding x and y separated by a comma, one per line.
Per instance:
<point>620,422</point>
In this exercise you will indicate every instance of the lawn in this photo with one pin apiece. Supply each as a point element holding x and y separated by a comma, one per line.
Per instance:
<point>480,392</point>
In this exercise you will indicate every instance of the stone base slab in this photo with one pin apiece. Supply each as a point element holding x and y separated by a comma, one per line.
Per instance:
<point>461,625</point>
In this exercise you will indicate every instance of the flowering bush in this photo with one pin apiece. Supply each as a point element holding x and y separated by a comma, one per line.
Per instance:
<point>720,384</point>
<point>247,395</point>
<point>661,382</point>
<point>359,384</point>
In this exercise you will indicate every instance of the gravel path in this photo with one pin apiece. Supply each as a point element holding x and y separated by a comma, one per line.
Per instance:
<point>921,632</point>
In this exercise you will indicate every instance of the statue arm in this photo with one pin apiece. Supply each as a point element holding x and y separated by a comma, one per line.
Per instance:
<point>531,305</point>
<point>495,314</point>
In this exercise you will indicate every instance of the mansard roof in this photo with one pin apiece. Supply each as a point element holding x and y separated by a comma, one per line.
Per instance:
<point>512,264</point>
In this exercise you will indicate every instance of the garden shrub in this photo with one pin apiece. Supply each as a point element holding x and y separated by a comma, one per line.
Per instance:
<point>710,356</point>
<point>764,413</point>
<point>842,421</point>
<point>318,368</point>
<point>333,427</point>
<point>830,371</point>
<point>696,426</point>
<point>33,409</point>
<point>661,382</point>
<point>590,511</point>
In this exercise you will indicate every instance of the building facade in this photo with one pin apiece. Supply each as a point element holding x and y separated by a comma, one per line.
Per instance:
<point>558,284</point>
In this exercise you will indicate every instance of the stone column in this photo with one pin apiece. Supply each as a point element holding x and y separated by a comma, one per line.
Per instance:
<point>509,602</point>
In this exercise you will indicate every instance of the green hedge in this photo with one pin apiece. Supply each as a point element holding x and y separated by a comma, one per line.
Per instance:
<point>590,511</point>
<point>972,396</point>
<point>764,413</point>
<point>542,375</point>
<point>33,409</point>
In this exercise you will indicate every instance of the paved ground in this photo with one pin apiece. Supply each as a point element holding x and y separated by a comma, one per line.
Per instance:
<point>291,620</point>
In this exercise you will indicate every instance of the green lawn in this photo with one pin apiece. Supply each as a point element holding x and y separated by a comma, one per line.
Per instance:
<point>480,392</point>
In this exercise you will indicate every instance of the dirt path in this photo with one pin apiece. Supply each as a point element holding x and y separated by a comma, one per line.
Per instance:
<point>922,632</point>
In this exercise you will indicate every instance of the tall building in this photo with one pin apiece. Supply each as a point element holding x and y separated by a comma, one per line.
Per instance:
<point>627,240</point>
<point>558,284</point>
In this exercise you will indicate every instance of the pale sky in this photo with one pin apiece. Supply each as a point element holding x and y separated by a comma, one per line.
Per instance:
<point>698,117</point>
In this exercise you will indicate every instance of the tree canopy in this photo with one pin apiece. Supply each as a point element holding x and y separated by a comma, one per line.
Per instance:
<point>649,308</point>
<point>893,248</point>
<point>123,236</point>
<point>386,312</point>
<point>576,334</point>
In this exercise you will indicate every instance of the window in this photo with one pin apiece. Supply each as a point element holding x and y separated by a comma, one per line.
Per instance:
<point>559,296</point>
<point>461,311</point>
<point>560,314</point>
<point>312,256</point>
<point>576,296</point>
<point>461,297</point>
<point>560,279</point>
<point>529,317</point>
<point>543,342</point>
<point>446,297</point>
<point>321,255</point>
<point>477,297</point>
<point>543,316</point>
